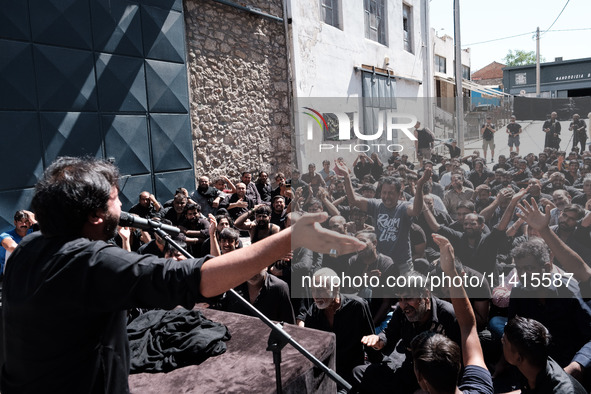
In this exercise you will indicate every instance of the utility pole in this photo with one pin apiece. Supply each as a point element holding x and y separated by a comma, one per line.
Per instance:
<point>458,77</point>
<point>538,62</point>
<point>427,67</point>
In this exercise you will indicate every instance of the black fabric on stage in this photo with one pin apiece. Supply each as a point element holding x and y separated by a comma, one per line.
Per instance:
<point>247,367</point>
<point>161,341</point>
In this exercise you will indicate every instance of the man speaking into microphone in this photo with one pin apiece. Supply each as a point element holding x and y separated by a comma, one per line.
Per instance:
<point>66,290</point>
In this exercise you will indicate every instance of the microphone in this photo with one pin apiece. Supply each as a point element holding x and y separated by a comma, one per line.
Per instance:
<point>129,220</point>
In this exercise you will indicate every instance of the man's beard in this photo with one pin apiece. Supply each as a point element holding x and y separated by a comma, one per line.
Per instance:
<point>262,224</point>
<point>323,303</point>
<point>202,189</point>
<point>367,255</point>
<point>190,224</point>
<point>565,227</point>
<point>110,228</point>
<point>416,314</point>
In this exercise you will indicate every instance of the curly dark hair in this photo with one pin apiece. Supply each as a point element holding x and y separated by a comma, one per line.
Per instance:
<point>70,189</point>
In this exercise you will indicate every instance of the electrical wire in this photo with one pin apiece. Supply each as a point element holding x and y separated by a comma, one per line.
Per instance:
<point>524,34</point>
<point>499,39</point>
<point>548,29</point>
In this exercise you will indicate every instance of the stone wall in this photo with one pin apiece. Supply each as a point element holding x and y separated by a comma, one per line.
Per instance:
<point>238,86</point>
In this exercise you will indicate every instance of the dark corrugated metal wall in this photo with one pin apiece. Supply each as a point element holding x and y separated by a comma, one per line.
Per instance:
<point>105,78</point>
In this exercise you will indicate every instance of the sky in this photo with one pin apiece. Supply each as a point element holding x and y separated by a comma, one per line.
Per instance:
<point>482,20</point>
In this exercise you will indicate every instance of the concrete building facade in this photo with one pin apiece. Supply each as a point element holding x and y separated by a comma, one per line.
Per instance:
<point>351,53</point>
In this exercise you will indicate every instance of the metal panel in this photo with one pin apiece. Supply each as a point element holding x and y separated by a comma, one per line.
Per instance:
<point>121,83</point>
<point>66,79</point>
<point>166,183</point>
<point>176,5</point>
<point>61,22</point>
<point>130,188</point>
<point>167,87</point>
<point>171,142</point>
<point>163,34</point>
<point>116,27</point>
<point>21,146</point>
<point>17,77</point>
<point>126,140</point>
<point>14,20</point>
<point>70,134</point>
<point>76,77</point>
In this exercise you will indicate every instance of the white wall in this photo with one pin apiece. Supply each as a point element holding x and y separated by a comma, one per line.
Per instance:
<point>444,46</point>
<point>324,57</point>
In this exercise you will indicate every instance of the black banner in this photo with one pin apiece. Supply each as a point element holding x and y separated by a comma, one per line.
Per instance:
<point>532,108</point>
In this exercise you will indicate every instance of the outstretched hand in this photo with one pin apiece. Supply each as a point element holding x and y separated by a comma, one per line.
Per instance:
<point>308,233</point>
<point>447,257</point>
<point>533,216</point>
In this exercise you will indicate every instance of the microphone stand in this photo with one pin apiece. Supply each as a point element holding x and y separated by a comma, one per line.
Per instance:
<point>278,337</point>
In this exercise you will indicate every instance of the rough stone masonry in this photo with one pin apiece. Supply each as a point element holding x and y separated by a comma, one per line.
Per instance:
<point>238,87</point>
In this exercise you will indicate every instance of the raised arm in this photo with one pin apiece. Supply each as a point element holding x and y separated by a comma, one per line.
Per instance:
<point>508,214</point>
<point>214,245</point>
<point>430,219</point>
<point>229,183</point>
<point>230,269</point>
<point>355,200</point>
<point>156,204</point>
<point>570,260</point>
<point>125,234</point>
<point>471,349</point>
<point>31,217</point>
<point>240,222</point>
<point>488,212</point>
<point>328,205</point>
<point>417,205</point>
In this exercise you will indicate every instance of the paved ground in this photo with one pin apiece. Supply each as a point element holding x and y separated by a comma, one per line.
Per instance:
<point>532,140</point>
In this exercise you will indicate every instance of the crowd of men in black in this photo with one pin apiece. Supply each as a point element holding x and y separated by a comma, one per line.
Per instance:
<point>520,228</point>
<point>500,219</point>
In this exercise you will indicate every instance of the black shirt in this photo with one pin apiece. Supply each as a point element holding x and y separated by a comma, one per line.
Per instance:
<point>265,191</point>
<point>453,152</point>
<point>513,128</point>
<point>563,313</point>
<point>352,321</point>
<point>373,295</point>
<point>478,179</point>
<point>443,321</point>
<point>273,300</point>
<point>170,214</point>
<point>425,138</point>
<point>554,380</point>
<point>236,212</point>
<point>143,212</point>
<point>483,257</point>
<point>66,302</point>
